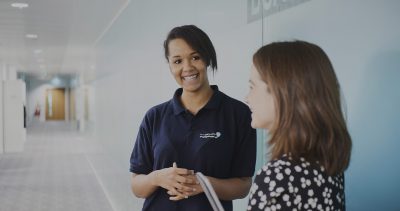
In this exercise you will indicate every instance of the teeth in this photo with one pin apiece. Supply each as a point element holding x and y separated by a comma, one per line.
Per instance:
<point>192,77</point>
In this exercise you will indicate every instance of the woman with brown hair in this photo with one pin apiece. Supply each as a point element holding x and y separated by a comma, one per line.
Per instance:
<point>295,95</point>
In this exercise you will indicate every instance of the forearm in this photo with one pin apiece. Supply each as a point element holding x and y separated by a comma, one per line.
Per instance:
<point>143,185</point>
<point>230,189</point>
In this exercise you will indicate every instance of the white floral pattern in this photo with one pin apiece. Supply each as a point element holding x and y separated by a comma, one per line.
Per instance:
<point>285,184</point>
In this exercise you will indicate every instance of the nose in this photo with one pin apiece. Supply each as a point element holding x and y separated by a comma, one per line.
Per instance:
<point>187,65</point>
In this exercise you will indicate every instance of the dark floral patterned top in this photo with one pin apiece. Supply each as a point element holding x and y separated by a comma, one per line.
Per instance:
<point>286,184</point>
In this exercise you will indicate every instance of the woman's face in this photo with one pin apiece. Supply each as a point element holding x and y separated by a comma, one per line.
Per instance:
<point>187,66</point>
<point>261,102</point>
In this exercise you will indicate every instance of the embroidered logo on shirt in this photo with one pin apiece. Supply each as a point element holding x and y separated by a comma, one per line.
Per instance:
<point>210,135</point>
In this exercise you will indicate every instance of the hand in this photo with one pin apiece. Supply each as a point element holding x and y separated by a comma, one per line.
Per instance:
<point>196,189</point>
<point>175,180</point>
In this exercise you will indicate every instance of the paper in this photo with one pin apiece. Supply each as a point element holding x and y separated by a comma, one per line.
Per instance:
<point>209,191</point>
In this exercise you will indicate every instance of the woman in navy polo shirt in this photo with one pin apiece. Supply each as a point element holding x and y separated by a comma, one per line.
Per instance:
<point>199,130</point>
<point>295,95</point>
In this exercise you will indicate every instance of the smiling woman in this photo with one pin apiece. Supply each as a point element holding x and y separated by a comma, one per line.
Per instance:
<point>199,130</point>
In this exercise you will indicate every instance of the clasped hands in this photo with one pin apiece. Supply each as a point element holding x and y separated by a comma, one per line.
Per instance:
<point>180,183</point>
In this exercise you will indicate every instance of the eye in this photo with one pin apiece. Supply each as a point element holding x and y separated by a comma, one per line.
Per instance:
<point>178,61</point>
<point>196,58</point>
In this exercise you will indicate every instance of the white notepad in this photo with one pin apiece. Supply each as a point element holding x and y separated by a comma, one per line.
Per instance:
<point>209,191</point>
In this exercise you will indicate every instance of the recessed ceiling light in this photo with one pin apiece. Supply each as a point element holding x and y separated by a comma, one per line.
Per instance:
<point>20,5</point>
<point>31,36</point>
<point>37,51</point>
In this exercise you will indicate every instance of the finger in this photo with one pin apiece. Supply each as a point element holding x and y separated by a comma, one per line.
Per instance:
<point>186,189</point>
<point>177,198</point>
<point>183,190</point>
<point>184,171</point>
<point>196,189</point>
<point>183,179</point>
<point>180,186</point>
<point>174,192</point>
<point>193,180</point>
<point>174,165</point>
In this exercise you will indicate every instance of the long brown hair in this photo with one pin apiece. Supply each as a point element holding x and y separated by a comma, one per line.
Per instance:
<point>309,121</point>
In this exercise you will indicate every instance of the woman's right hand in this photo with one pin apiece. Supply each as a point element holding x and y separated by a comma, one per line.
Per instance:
<point>174,180</point>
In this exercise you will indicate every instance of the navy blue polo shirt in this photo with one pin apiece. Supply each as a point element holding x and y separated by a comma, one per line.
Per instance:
<point>218,141</point>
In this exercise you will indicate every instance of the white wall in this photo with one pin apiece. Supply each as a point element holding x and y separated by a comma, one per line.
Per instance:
<point>13,118</point>
<point>7,72</point>
<point>133,76</point>
<point>362,39</point>
<point>2,70</point>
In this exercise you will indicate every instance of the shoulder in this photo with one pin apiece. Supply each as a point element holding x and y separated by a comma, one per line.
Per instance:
<point>276,175</point>
<point>287,169</point>
<point>156,113</point>
<point>232,103</point>
<point>159,109</point>
<point>278,169</point>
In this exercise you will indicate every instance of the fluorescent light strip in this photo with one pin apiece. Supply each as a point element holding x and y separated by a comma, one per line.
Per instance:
<point>31,36</point>
<point>20,5</point>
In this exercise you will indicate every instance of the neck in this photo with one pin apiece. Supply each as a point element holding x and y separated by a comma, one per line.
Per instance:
<point>194,101</point>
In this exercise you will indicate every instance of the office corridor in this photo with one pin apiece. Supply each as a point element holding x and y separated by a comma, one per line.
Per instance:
<point>53,173</point>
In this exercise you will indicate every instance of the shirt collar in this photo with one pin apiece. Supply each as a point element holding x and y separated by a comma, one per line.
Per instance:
<point>213,103</point>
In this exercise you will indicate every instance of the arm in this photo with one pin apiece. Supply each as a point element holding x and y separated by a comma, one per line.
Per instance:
<point>243,163</point>
<point>232,188</point>
<point>142,185</point>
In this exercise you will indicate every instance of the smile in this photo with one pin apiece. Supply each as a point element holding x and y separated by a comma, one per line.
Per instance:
<point>190,77</point>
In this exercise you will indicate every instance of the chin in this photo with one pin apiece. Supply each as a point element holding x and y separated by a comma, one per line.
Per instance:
<point>254,124</point>
<point>192,88</point>
<point>259,125</point>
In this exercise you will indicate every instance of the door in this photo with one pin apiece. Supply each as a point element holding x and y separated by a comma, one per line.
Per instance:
<point>55,104</point>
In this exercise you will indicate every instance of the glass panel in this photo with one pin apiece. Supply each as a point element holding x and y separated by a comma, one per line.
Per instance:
<point>262,151</point>
<point>50,103</point>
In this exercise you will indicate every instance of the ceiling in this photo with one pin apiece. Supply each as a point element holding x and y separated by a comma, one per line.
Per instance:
<point>67,31</point>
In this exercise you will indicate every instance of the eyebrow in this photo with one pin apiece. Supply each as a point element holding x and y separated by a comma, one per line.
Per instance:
<point>193,53</point>
<point>251,82</point>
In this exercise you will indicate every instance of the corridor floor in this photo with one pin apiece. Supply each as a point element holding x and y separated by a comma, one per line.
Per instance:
<point>52,173</point>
